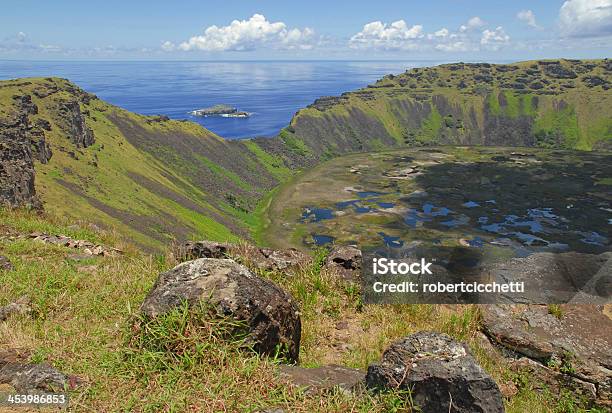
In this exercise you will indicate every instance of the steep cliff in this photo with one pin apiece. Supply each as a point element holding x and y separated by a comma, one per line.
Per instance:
<point>152,178</point>
<point>562,103</point>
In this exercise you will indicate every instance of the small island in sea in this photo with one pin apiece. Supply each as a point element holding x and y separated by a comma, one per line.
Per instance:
<point>224,111</point>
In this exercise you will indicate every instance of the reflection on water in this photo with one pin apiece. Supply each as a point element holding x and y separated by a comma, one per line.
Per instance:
<point>322,239</point>
<point>490,209</point>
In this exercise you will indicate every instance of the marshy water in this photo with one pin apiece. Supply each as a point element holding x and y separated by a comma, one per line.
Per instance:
<point>490,203</point>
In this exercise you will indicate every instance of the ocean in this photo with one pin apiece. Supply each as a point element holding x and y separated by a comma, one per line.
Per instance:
<point>273,90</point>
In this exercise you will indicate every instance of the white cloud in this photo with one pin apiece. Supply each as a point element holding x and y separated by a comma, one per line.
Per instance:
<point>494,39</point>
<point>459,46</point>
<point>528,17</point>
<point>20,42</point>
<point>395,36</point>
<point>442,32</point>
<point>243,35</point>
<point>472,24</point>
<point>168,46</point>
<point>400,36</point>
<point>586,18</point>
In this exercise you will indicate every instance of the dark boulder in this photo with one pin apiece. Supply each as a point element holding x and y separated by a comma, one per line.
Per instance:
<point>32,378</point>
<point>270,314</point>
<point>441,374</point>
<point>347,260</point>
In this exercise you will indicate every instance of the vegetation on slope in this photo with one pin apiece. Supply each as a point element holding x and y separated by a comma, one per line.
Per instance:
<point>562,103</point>
<point>152,178</point>
<point>84,311</point>
<point>156,179</point>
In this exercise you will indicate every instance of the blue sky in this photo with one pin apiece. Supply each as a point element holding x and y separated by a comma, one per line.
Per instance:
<point>270,29</point>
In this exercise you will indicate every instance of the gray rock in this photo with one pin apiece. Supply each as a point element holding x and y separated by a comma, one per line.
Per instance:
<point>21,306</point>
<point>270,313</point>
<point>555,278</point>
<point>72,121</point>
<point>578,341</point>
<point>278,260</point>
<point>441,374</point>
<point>192,250</point>
<point>324,378</point>
<point>5,263</point>
<point>17,163</point>
<point>25,377</point>
<point>347,260</point>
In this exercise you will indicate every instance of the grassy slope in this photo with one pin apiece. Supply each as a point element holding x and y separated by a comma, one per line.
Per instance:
<point>155,180</point>
<point>464,104</point>
<point>147,188</point>
<point>83,312</point>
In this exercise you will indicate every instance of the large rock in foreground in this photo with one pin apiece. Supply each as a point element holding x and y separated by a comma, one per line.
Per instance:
<point>441,374</point>
<point>576,340</point>
<point>556,278</point>
<point>270,313</point>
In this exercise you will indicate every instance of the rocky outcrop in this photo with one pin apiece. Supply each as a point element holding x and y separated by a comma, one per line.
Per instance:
<point>88,247</point>
<point>20,144</point>
<point>346,260</point>
<point>269,313</point>
<point>73,123</point>
<point>440,373</point>
<point>573,341</point>
<point>556,277</point>
<point>32,378</point>
<point>322,379</point>
<point>265,259</point>
<point>278,260</point>
<point>192,250</point>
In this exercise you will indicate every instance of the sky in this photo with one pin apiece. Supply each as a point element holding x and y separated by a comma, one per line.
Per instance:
<point>309,30</point>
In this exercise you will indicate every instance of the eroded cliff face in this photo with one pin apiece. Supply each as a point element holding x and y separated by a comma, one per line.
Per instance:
<point>21,142</point>
<point>560,104</point>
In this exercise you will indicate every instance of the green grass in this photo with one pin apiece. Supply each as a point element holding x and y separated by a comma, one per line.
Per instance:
<point>224,173</point>
<point>295,144</point>
<point>272,163</point>
<point>430,128</point>
<point>85,321</point>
